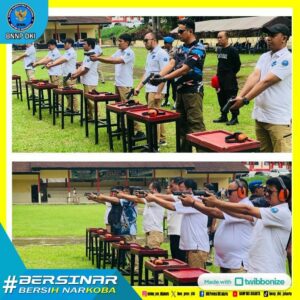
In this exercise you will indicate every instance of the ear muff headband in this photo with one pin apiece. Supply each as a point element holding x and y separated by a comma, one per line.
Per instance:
<point>241,190</point>
<point>284,193</point>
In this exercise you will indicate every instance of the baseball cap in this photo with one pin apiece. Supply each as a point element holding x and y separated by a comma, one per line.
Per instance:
<point>168,39</point>
<point>254,185</point>
<point>277,28</point>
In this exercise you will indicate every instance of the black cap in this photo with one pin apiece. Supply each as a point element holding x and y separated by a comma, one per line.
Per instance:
<point>277,28</point>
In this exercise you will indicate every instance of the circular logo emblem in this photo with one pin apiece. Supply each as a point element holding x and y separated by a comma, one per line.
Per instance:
<point>285,63</point>
<point>20,17</point>
<point>274,210</point>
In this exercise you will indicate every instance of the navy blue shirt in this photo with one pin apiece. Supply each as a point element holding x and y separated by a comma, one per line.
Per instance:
<point>192,55</point>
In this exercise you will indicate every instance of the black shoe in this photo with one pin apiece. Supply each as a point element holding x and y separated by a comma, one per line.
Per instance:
<point>139,135</point>
<point>222,119</point>
<point>233,121</point>
<point>166,103</point>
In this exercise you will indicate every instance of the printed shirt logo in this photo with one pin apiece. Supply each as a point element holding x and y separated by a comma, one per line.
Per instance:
<point>20,17</point>
<point>153,56</point>
<point>274,63</point>
<point>165,59</point>
<point>274,210</point>
<point>195,57</point>
<point>285,63</point>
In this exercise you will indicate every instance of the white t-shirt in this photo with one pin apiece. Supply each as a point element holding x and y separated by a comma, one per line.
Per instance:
<point>153,217</point>
<point>91,77</point>
<point>193,234</point>
<point>274,105</point>
<point>54,55</point>
<point>107,211</point>
<point>69,66</point>
<point>30,58</point>
<point>157,59</point>
<point>174,220</point>
<point>271,233</point>
<point>232,241</point>
<point>124,72</point>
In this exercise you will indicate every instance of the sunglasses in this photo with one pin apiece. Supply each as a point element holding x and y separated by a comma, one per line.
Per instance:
<point>146,40</point>
<point>269,191</point>
<point>229,192</point>
<point>181,31</point>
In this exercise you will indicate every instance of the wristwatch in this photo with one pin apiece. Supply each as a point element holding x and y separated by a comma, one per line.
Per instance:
<point>246,101</point>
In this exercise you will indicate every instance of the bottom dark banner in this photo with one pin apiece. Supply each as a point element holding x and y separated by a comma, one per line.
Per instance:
<point>17,282</point>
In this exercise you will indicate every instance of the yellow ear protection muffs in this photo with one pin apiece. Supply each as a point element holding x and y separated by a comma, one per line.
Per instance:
<point>284,193</point>
<point>241,190</point>
<point>237,137</point>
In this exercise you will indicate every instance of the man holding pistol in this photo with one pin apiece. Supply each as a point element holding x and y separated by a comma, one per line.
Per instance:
<point>188,63</point>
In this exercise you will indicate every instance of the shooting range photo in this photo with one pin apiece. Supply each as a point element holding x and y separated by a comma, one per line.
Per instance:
<point>158,223</point>
<point>154,84</point>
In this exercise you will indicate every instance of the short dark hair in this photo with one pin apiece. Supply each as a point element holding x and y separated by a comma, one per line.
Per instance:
<point>117,187</point>
<point>190,184</point>
<point>52,42</point>
<point>69,41</point>
<point>126,37</point>
<point>177,180</point>
<point>91,42</point>
<point>189,23</point>
<point>156,185</point>
<point>154,35</point>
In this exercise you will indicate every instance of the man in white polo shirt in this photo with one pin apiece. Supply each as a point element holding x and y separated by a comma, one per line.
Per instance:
<point>193,233</point>
<point>68,63</point>
<point>233,236</point>
<point>271,84</point>
<point>123,59</point>
<point>88,72</point>
<point>55,73</point>
<point>267,253</point>
<point>157,59</point>
<point>29,57</point>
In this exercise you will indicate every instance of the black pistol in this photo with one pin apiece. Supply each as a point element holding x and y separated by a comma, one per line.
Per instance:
<point>227,106</point>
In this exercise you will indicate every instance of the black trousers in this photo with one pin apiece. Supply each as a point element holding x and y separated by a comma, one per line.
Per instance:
<point>174,246</point>
<point>223,97</point>
<point>171,84</point>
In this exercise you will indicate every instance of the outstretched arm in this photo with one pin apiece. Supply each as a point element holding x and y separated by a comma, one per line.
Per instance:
<point>164,203</point>
<point>236,208</point>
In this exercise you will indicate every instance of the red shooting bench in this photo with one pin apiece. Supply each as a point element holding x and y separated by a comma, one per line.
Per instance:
<point>91,243</point>
<point>118,252</point>
<point>99,123</point>
<point>43,103</point>
<point>28,83</point>
<point>104,248</point>
<point>158,269</point>
<point>141,253</point>
<point>18,84</point>
<point>120,109</point>
<point>214,141</point>
<point>151,126</point>
<point>61,110</point>
<point>184,276</point>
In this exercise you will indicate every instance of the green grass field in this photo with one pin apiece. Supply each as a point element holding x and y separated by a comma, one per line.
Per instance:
<point>31,135</point>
